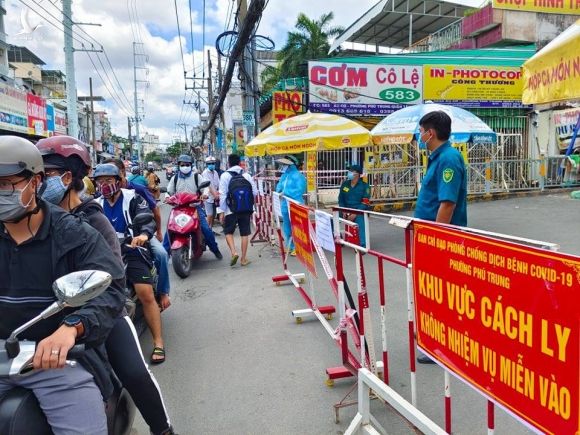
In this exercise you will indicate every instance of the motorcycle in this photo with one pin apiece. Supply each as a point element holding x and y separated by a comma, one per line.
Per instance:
<point>20,412</point>
<point>184,230</point>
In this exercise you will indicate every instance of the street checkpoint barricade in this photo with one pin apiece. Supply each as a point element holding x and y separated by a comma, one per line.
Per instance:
<point>264,222</point>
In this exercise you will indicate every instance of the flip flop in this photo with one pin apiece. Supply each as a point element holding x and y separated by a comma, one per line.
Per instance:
<point>234,260</point>
<point>158,351</point>
<point>245,263</point>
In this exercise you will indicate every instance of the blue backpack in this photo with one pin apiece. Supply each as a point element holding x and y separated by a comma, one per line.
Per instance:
<point>240,194</point>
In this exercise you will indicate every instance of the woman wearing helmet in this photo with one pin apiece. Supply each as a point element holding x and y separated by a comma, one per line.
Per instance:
<point>67,162</point>
<point>212,201</point>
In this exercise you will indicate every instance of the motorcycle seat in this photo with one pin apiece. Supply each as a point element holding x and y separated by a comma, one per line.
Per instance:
<point>20,413</point>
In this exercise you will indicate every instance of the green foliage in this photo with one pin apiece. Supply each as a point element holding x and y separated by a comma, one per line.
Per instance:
<point>176,149</point>
<point>154,157</point>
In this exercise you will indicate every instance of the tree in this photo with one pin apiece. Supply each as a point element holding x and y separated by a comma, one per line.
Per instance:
<point>154,157</point>
<point>309,41</point>
<point>176,149</point>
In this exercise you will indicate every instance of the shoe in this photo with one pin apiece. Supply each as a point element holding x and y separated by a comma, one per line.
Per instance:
<point>424,359</point>
<point>245,262</point>
<point>293,253</point>
<point>160,352</point>
<point>218,255</point>
<point>234,260</point>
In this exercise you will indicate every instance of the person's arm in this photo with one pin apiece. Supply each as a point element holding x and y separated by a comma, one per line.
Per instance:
<point>451,171</point>
<point>341,199</point>
<point>445,212</point>
<point>171,186</point>
<point>224,181</point>
<point>139,207</point>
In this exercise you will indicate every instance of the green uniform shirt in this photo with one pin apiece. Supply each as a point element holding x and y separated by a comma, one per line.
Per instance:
<point>352,197</point>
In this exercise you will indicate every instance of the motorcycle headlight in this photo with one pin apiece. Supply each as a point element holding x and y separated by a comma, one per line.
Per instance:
<point>182,220</point>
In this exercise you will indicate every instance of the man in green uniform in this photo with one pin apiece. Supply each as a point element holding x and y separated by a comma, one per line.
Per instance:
<point>443,194</point>
<point>355,193</point>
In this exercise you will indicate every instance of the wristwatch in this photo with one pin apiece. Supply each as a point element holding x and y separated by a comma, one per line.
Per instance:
<point>75,322</point>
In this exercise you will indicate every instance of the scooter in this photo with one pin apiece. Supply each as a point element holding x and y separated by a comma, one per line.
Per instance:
<point>184,230</point>
<point>20,412</point>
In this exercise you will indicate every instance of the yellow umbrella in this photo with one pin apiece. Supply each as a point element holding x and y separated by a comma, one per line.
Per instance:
<point>553,73</point>
<point>308,132</point>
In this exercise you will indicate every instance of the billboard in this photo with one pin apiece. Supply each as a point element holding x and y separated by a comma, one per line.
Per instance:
<point>504,318</point>
<point>300,220</point>
<point>13,111</point>
<point>565,7</point>
<point>36,110</point>
<point>363,89</point>
<point>50,119</point>
<point>60,122</point>
<point>286,104</point>
<point>471,86</point>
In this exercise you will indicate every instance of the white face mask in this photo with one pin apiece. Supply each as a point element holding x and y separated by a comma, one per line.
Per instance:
<point>185,169</point>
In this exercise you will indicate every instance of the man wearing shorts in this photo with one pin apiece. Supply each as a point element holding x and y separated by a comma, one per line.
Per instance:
<point>241,220</point>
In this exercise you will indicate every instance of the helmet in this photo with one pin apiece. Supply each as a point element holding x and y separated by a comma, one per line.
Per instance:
<point>210,159</point>
<point>184,158</point>
<point>106,170</point>
<point>135,169</point>
<point>65,146</point>
<point>18,154</point>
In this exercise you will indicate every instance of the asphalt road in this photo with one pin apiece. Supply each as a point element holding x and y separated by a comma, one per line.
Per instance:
<point>237,363</point>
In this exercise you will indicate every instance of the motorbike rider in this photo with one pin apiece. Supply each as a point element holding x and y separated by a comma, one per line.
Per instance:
<point>293,185</point>
<point>136,176</point>
<point>210,174</point>
<point>39,243</point>
<point>66,162</point>
<point>153,181</point>
<point>121,206</point>
<point>187,180</point>
<point>159,253</point>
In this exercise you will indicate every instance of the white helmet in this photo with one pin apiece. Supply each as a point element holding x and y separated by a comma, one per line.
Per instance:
<point>210,160</point>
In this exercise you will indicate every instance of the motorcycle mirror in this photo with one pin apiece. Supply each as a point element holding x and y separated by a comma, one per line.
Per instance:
<point>77,288</point>
<point>204,185</point>
<point>142,219</point>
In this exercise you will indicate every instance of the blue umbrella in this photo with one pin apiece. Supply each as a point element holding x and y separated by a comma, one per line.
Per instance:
<point>402,126</point>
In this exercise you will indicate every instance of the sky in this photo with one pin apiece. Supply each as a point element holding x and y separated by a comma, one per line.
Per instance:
<point>154,23</point>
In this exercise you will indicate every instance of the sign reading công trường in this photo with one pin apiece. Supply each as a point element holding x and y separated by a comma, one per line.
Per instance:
<point>504,318</point>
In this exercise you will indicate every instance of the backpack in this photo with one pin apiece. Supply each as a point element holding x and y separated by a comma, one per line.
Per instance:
<point>175,177</point>
<point>240,194</point>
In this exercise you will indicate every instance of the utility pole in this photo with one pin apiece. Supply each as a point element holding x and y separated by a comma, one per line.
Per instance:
<point>137,138</point>
<point>222,113</point>
<point>184,126</point>
<point>210,102</point>
<point>71,87</point>
<point>130,137</point>
<point>246,66</point>
<point>94,135</point>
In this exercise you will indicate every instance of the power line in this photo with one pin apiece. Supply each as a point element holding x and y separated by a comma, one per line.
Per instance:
<point>191,36</point>
<point>179,36</point>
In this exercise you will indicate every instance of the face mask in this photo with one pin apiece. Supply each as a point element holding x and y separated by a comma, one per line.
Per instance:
<point>185,169</point>
<point>211,167</point>
<point>283,168</point>
<point>350,175</point>
<point>108,190</point>
<point>11,206</point>
<point>53,189</point>
<point>422,143</point>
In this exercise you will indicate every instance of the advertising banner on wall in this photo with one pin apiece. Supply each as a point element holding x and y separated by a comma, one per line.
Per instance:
<point>564,123</point>
<point>50,119</point>
<point>60,122</point>
<point>564,7</point>
<point>36,110</point>
<point>504,318</point>
<point>13,114</point>
<point>363,89</point>
<point>286,104</point>
<point>470,86</point>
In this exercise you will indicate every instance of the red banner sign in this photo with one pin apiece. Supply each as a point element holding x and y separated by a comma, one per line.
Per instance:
<point>301,236</point>
<point>504,318</point>
<point>36,108</point>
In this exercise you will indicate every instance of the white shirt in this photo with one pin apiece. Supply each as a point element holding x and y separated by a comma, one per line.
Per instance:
<point>214,179</point>
<point>185,184</point>
<point>225,183</point>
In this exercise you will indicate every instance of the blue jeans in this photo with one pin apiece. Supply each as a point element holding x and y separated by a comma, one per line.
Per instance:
<point>287,228</point>
<point>162,264</point>
<point>205,229</point>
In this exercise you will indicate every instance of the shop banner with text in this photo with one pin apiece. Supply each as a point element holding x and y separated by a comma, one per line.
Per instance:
<point>311,169</point>
<point>13,114</point>
<point>563,7</point>
<point>301,235</point>
<point>36,108</point>
<point>466,86</point>
<point>286,104</point>
<point>363,89</point>
<point>504,318</point>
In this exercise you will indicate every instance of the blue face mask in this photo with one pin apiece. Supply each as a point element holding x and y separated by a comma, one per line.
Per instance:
<point>211,167</point>
<point>283,168</point>
<point>422,143</point>
<point>350,175</point>
<point>53,190</point>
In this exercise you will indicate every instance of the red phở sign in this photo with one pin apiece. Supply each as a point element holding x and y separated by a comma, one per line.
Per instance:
<point>301,236</point>
<point>504,318</point>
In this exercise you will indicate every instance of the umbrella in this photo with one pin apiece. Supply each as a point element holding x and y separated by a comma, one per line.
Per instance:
<point>308,132</point>
<point>402,126</point>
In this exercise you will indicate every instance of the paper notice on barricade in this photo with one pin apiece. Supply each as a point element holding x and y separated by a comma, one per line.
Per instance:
<point>261,187</point>
<point>324,234</point>
<point>276,207</point>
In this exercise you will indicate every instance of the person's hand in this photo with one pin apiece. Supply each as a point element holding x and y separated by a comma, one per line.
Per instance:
<point>52,351</point>
<point>164,302</point>
<point>159,235</point>
<point>139,241</point>
<point>204,197</point>
<point>351,217</point>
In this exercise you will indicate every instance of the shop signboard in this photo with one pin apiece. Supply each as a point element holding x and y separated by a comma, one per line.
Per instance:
<point>300,220</point>
<point>13,111</point>
<point>60,122</point>
<point>503,317</point>
<point>311,169</point>
<point>564,123</point>
<point>50,119</point>
<point>562,7</point>
<point>471,86</point>
<point>363,89</point>
<point>36,110</point>
<point>239,135</point>
<point>286,104</point>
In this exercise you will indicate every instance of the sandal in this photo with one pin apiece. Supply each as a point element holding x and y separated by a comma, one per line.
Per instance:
<point>158,351</point>
<point>234,260</point>
<point>245,262</point>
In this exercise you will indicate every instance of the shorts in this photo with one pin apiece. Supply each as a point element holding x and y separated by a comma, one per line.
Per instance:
<point>210,208</point>
<point>242,220</point>
<point>138,270</point>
